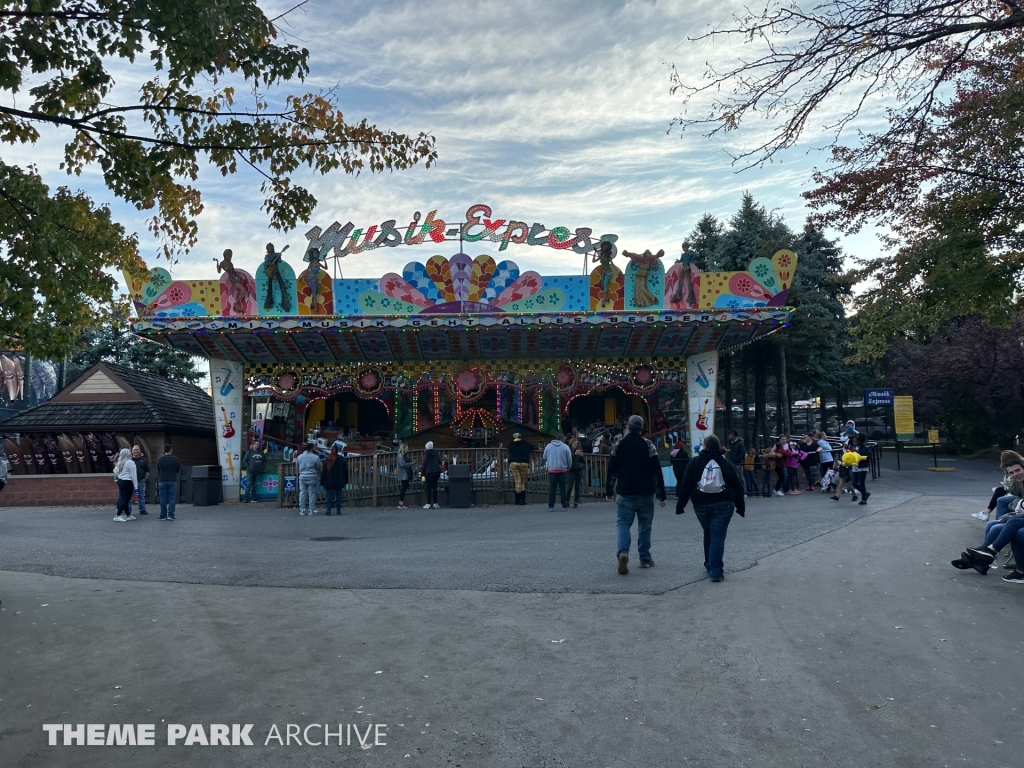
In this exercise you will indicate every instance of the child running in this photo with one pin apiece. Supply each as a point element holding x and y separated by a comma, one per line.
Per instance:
<point>851,459</point>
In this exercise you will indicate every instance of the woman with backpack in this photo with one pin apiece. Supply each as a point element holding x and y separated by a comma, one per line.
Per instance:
<point>715,487</point>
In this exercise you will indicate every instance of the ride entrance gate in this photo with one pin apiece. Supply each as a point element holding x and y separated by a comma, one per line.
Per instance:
<point>461,350</point>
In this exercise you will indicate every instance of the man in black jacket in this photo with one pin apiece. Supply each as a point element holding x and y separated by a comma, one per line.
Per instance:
<point>634,461</point>
<point>736,449</point>
<point>716,494</point>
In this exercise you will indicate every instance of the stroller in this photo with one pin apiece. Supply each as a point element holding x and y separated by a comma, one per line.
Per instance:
<point>830,481</point>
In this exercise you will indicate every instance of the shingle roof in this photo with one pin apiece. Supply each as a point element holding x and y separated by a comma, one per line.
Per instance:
<point>166,404</point>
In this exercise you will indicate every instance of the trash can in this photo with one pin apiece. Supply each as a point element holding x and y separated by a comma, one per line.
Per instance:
<point>206,485</point>
<point>460,485</point>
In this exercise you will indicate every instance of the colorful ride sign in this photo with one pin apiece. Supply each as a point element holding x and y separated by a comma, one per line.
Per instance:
<point>478,225</point>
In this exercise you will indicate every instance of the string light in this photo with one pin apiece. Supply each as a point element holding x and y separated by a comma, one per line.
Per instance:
<point>415,411</point>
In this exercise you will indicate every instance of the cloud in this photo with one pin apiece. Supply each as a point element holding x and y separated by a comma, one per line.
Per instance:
<point>549,111</point>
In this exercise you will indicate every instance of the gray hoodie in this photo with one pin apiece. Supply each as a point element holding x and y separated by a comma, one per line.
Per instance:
<point>557,456</point>
<point>308,464</point>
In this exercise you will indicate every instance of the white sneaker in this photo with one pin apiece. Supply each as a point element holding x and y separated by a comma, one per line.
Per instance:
<point>426,506</point>
<point>779,493</point>
<point>314,512</point>
<point>437,506</point>
<point>302,512</point>
<point>120,519</point>
<point>131,517</point>
<point>979,515</point>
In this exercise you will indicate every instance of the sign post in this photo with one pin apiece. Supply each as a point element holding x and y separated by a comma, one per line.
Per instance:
<point>933,438</point>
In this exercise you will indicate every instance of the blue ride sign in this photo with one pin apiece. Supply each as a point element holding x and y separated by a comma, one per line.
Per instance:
<point>879,397</point>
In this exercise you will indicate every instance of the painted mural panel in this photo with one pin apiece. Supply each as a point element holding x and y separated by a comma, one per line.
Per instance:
<point>227,386</point>
<point>702,386</point>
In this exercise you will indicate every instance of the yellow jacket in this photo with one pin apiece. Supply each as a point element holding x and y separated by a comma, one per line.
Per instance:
<point>851,459</point>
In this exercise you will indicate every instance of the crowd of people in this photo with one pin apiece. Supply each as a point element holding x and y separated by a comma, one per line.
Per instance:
<point>789,467</point>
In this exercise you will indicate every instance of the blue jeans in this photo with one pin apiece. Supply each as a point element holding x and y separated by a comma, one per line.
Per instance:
<point>714,519</point>
<point>642,508</point>
<point>168,492</point>
<point>750,480</point>
<point>251,482</point>
<point>335,497</point>
<point>1007,533</point>
<point>142,498</point>
<point>766,482</point>
<point>1003,505</point>
<point>308,486</point>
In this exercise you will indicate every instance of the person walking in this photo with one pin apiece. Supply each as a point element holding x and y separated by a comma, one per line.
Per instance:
<point>519,451</point>
<point>635,477</point>
<point>825,458</point>
<point>576,471</point>
<point>792,462</point>
<point>809,459</point>
<point>308,465</point>
<point>769,460</point>
<point>558,459</point>
<point>334,478</point>
<point>142,471</point>
<point>255,463</point>
<point>782,454</point>
<point>168,468</point>
<point>404,470</point>
<point>859,473</point>
<point>126,475</point>
<point>431,473</point>
<point>714,486</point>
<point>850,460</point>
<point>678,457</point>
<point>736,448</point>
<point>749,476</point>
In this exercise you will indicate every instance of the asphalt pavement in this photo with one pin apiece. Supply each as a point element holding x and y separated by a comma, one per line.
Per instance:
<point>503,637</point>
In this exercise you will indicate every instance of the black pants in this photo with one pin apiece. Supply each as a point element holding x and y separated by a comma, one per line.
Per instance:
<point>858,479</point>
<point>999,492</point>
<point>782,484</point>
<point>401,493</point>
<point>558,480</point>
<point>125,489</point>
<point>576,486</point>
<point>432,488</point>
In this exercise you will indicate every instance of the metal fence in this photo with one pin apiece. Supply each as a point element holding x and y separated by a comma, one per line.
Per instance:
<point>373,480</point>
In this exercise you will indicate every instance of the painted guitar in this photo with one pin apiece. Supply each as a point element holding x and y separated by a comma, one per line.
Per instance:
<point>231,464</point>
<point>228,430</point>
<point>702,417</point>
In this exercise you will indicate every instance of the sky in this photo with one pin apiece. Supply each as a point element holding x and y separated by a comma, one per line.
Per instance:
<point>555,112</point>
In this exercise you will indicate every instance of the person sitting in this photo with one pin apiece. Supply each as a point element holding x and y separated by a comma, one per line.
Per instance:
<point>997,535</point>
<point>1010,491</point>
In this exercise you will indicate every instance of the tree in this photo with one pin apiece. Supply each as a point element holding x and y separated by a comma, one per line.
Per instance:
<point>808,356</point>
<point>966,380</point>
<point>944,176</point>
<point>116,343</point>
<point>55,69</point>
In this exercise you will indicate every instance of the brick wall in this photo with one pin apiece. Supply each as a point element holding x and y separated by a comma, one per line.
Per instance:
<point>59,490</point>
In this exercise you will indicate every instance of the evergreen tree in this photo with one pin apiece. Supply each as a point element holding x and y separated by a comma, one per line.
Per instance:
<point>705,240</point>
<point>115,343</point>
<point>752,232</point>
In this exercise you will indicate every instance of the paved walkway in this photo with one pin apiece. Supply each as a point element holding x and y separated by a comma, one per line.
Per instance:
<point>853,643</point>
